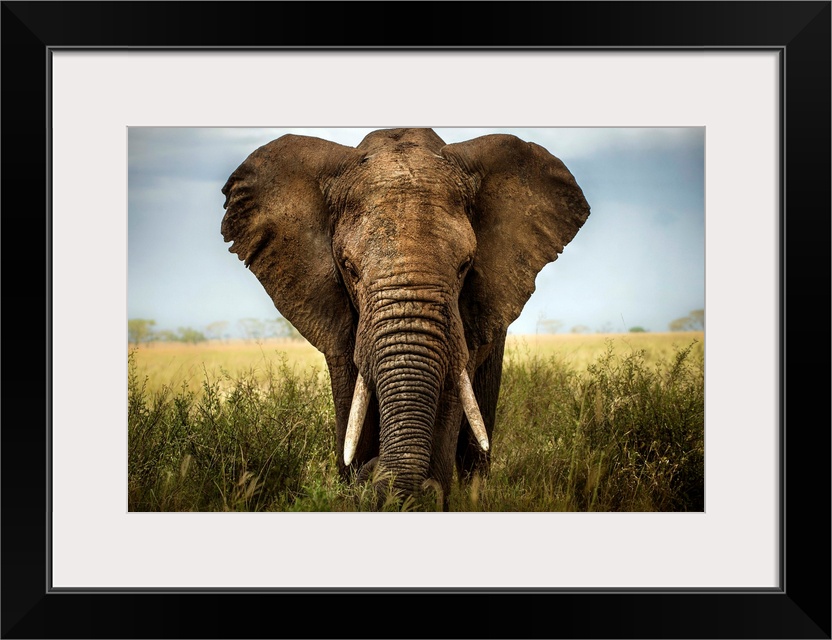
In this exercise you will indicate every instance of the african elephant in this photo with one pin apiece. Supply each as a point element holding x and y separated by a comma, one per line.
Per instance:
<point>404,260</point>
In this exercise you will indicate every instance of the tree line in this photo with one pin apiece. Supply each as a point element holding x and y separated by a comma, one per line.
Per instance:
<point>142,330</point>
<point>694,321</point>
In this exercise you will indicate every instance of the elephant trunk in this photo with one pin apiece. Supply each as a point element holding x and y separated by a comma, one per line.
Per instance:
<point>409,360</point>
<point>408,385</point>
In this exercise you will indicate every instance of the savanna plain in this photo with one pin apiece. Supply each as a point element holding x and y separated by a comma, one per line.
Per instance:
<point>585,422</point>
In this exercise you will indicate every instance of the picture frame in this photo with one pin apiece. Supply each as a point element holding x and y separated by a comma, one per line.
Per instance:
<point>800,607</point>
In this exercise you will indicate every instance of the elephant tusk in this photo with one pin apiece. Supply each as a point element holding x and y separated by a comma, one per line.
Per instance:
<point>358,411</point>
<point>472,411</point>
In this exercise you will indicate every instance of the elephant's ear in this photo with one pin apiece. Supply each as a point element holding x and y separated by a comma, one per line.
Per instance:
<point>526,208</point>
<point>280,224</point>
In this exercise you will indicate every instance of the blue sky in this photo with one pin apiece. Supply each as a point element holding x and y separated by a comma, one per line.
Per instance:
<point>638,261</point>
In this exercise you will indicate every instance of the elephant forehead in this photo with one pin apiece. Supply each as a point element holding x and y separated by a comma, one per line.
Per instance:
<point>400,189</point>
<point>402,202</point>
<point>424,233</point>
<point>406,163</point>
<point>420,222</point>
<point>418,171</point>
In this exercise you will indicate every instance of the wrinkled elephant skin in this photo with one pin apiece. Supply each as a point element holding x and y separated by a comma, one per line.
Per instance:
<point>404,260</point>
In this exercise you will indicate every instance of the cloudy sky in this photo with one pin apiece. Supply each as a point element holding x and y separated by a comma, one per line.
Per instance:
<point>638,261</point>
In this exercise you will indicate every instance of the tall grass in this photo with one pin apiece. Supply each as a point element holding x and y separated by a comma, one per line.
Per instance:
<point>621,434</point>
<point>243,444</point>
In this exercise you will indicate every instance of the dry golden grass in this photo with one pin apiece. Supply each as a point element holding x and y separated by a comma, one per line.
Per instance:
<point>582,349</point>
<point>173,364</point>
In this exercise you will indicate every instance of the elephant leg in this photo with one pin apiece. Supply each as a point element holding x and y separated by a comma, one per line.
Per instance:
<point>469,458</point>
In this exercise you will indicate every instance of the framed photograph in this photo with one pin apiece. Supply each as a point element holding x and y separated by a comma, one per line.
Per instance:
<point>93,82</point>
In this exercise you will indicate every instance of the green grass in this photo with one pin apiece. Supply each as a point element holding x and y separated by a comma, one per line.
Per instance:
<point>619,430</point>
<point>622,436</point>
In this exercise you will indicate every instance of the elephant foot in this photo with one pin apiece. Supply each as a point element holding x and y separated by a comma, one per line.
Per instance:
<point>366,470</point>
<point>440,497</point>
<point>379,485</point>
<point>430,495</point>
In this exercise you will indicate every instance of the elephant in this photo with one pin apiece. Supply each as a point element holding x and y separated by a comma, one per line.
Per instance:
<point>404,260</point>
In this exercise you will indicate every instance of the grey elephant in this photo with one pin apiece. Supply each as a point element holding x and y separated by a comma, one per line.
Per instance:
<point>404,260</point>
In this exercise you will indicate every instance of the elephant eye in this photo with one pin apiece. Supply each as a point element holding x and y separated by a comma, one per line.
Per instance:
<point>463,268</point>
<point>350,269</point>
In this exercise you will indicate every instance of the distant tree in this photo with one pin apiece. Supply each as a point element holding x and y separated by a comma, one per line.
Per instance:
<point>282,328</point>
<point>694,321</point>
<point>579,328</point>
<point>252,328</point>
<point>166,335</point>
<point>139,330</point>
<point>190,335</point>
<point>697,319</point>
<point>605,328</point>
<point>547,325</point>
<point>638,330</point>
<point>216,330</point>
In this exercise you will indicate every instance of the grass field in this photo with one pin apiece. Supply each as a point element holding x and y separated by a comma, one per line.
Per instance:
<point>173,364</point>
<point>584,422</point>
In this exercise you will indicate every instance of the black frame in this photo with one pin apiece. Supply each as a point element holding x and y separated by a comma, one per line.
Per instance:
<point>800,31</point>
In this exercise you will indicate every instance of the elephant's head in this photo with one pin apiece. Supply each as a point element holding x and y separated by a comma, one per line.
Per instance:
<point>404,260</point>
